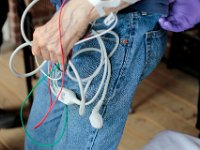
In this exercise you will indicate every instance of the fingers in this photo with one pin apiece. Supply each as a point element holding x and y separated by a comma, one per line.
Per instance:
<point>50,52</point>
<point>166,24</point>
<point>44,47</point>
<point>36,49</point>
<point>53,57</point>
<point>171,23</point>
<point>40,51</point>
<point>38,46</point>
<point>46,39</point>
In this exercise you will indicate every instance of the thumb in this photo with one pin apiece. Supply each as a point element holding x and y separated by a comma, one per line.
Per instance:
<point>165,24</point>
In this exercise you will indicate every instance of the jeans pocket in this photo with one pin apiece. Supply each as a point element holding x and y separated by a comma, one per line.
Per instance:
<point>155,43</point>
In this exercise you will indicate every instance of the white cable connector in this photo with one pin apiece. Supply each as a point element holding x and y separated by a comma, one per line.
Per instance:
<point>68,97</point>
<point>29,43</point>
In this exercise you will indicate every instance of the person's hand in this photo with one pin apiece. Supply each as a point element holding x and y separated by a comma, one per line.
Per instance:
<point>183,15</point>
<point>75,19</point>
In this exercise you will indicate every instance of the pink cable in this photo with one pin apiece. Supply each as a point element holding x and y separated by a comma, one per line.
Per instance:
<point>63,72</point>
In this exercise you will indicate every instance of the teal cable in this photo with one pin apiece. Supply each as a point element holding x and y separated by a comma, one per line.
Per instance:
<point>22,121</point>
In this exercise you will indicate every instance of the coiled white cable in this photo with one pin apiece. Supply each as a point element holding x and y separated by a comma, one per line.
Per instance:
<point>68,97</point>
<point>29,43</point>
<point>28,8</point>
<point>11,65</point>
<point>87,80</point>
<point>95,117</point>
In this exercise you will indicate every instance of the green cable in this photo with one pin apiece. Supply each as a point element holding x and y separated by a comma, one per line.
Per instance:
<point>22,122</point>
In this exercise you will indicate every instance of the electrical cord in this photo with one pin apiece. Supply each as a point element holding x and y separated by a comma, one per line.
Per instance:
<point>29,43</point>
<point>35,142</point>
<point>63,73</point>
<point>63,94</point>
<point>68,97</point>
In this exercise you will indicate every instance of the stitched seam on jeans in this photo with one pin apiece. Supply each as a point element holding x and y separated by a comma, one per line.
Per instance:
<point>95,131</point>
<point>114,89</point>
<point>132,26</point>
<point>110,97</point>
<point>148,42</point>
<point>127,49</point>
<point>147,57</point>
<point>148,49</point>
<point>150,36</point>
<point>94,135</point>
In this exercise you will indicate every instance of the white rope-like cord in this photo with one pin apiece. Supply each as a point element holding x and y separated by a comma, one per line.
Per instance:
<point>12,68</point>
<point>29,43</point>
<point>104,62</point>
<point>105,77</point>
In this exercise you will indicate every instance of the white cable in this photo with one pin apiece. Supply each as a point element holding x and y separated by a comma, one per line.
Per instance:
<point>11,66</point>
<point>58,78</point>
<point>103,61</point>
<point>28,42</point>
<point>97,50</point>
<point>67,96</point>
<point>103,33</point>
<point>84,40</point>
<point>96,71</point>
<point>23,20</point>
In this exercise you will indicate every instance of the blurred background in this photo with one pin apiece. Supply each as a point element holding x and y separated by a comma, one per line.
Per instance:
<point>167,100</point>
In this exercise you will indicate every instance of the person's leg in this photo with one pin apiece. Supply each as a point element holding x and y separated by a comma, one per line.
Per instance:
<point>139,52</point>
<point>141,47</point>
<point>43,135</point>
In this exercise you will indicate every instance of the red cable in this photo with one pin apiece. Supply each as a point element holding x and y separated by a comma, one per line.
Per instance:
<point>63,72</point>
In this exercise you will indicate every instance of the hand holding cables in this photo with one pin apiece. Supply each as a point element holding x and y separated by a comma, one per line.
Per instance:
<point>59,55</point>
<point>75,19</point>
<point>76,16</point>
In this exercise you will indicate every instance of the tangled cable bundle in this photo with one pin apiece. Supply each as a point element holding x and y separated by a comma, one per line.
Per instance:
<point>63,94</point>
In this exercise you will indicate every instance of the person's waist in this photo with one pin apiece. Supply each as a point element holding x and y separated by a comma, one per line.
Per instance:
<point>149,7</point>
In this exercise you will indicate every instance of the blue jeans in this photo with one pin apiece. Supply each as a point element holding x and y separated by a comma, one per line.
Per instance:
<point>142,45</point>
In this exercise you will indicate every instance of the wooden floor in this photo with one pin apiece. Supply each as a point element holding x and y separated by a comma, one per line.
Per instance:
<point>164,101</point>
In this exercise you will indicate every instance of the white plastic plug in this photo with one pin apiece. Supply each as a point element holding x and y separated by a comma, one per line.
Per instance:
<point>95,118</point>
<point>67,97</point>
<point>109,19</point>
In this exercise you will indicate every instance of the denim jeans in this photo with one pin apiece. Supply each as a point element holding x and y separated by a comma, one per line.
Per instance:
<point>141,47</point>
